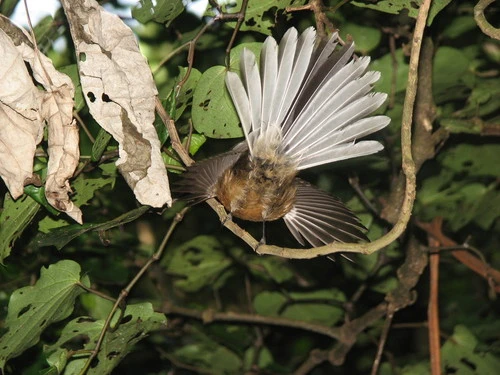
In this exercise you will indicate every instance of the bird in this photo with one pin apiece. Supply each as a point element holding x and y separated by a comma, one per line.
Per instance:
<point>308,103</point>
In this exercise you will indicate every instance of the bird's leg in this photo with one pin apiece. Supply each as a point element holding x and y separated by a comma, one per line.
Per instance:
<point>229,217</point>
<point>263,239</point>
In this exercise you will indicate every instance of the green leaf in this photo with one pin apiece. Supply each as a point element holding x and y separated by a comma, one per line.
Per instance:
<point>473,160</point>
<point>84,188</point>
<point>217,359</point>
<point>72,72</point>
<point>385,286</point>
<point>365,38</point>
<point>14,218</point>
<point>271,268</point>
<point>197,263</point>
<point>307,306</point>
<point>261,15</point>
<point>61,236</point>
<point>455,125</point>
<point>34,308</point>
<point>38,195</point>
<point>450,66</point>
<point>385,66</point>
<point>269,303</point>
<point>197,140</point>
<point>318,306</point>
<point>416,369</point>
<point>161,11</point>
<point>461,354</point>
<point>458,26</point>
<point>397,6</point>
<point>137,321</point>
<point>440,196</point>
<point>185,96</point>
<point>213,111</point>
<point>484,99</point>
<point>235,55</point>
<point>7,7</point>
<point>264,359</point>
<point>100,144</point>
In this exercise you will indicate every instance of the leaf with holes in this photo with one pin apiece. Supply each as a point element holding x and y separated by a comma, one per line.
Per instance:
<point>84,188</point>
<point>33,308</point>
<point>462,353</point>
<point>473,160</point>
<point>14,218</point>
<point>262,15</point>
<point>60,236</point>
<point>197,263</point>
<point>213,112</point>
<point>185,96</point>
<point>161,11</point>
<point>398,6</point>
<point>138,320</point>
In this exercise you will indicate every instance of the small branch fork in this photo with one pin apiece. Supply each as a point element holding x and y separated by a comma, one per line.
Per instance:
<point>221,16</point>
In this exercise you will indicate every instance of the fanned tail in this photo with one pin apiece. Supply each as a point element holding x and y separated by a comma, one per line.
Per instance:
<point>263,99</point>
<point>332,110</point>
<point>310,100</point>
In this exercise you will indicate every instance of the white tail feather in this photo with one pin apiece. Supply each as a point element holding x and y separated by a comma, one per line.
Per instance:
<point>286,54</point>
<point>241,103</point>
<point>310,101</point>
<point>340,152</point>
<point>251,80</point>
<point>268,75</point>
<point>300,64</point>
<point>326,95</point>
<point>342,119</point>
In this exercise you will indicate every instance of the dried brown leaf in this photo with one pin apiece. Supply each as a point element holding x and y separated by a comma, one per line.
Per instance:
<point>63,145</point>
<point>21,126</point>
<point>120,93</point>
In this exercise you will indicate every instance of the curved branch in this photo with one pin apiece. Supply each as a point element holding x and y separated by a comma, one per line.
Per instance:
<point>408,167</point>
<point>482,22</point>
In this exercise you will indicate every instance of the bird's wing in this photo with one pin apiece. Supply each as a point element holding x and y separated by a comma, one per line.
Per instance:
<point>321,219</point>
<point>197,184</point>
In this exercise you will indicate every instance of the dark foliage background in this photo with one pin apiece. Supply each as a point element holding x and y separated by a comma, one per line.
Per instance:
<point>210,304</point>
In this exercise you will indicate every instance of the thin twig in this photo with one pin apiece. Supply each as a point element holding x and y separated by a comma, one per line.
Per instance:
<point>433,312</point>
<point>172,132</point>
<point>240,18</point>
<point>210,316</point>
<point>84,126</point>
<point>481,21</point>
<point>478,265</point>
<point>125,292</point>
<point>170,55</point>
<point>382,341</point>
<point>96,292</point>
